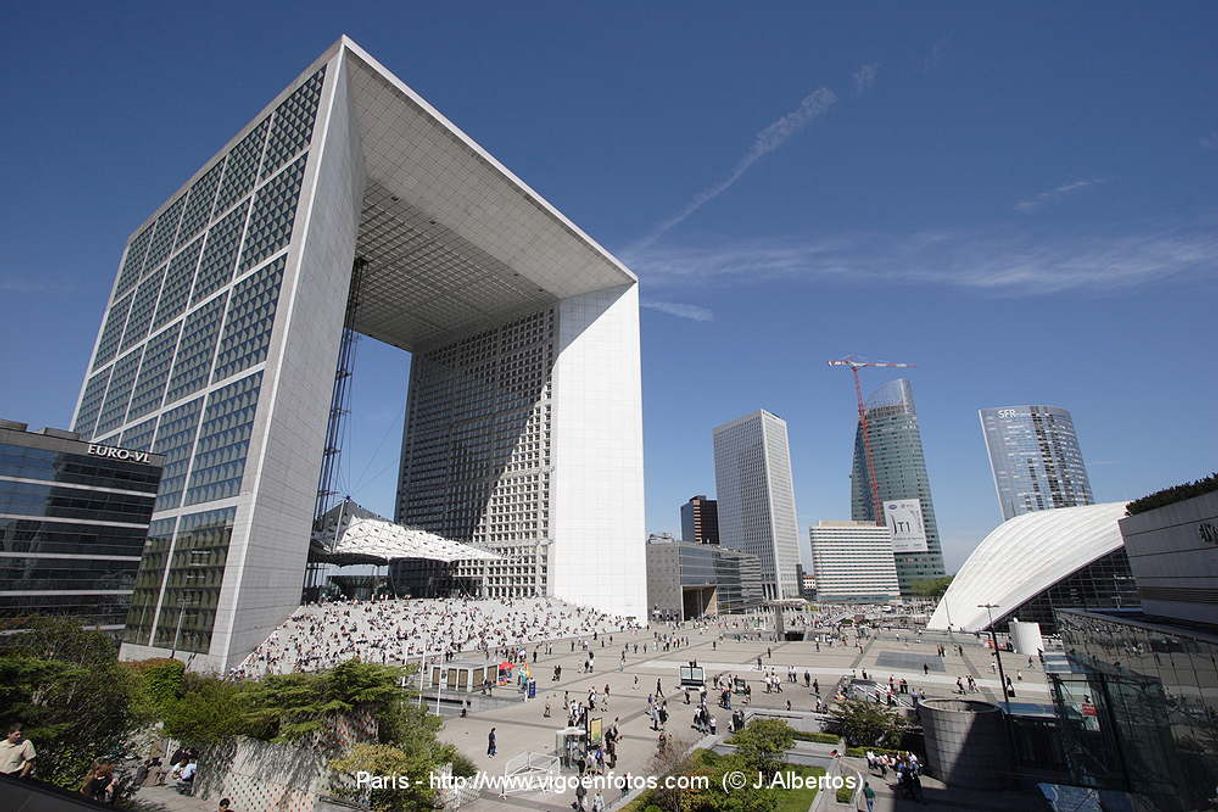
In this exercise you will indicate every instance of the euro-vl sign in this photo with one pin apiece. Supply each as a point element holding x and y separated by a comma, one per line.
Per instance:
<point>124,454</point>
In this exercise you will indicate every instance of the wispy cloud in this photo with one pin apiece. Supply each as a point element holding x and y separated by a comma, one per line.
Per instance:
<point>17,284</point>
<point>935,56</point>
<point>999,263</point>
<point>1209,141</point>
<point>864,77</point>
<point>680,310</point>
<point>1053,195</point>
<point>766,141</point>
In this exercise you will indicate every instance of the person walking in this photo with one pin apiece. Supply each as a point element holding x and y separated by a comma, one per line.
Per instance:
<point>869,796</point>
<point>16,753</point>
<point>491,744</point>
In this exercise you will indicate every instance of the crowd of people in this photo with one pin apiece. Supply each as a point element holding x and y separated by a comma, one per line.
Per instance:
<point>397,631</point>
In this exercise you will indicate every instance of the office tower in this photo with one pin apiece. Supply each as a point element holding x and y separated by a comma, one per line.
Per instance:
<point>1035,459</point>
<point>73,523</point>
<point>347,206</point>
<point>700,520</point>
<point>853,561</point>
<point>756,498</point>
<point>904,487</point>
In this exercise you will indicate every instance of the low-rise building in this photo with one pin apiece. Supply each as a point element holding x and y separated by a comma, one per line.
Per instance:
<point>853,561</point>
<point>687,581</point>
<point>74,520</point>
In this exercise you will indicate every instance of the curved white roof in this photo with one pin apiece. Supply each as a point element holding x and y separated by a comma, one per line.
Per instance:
<point>1024,556</point>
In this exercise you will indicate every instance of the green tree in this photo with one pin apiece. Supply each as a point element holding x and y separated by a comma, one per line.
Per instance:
<point>866,724</point>
<point>932,588</point>
<point>411,789</point>
<point>209,711</point>
<point>76,702</point>
<point>762,743</point>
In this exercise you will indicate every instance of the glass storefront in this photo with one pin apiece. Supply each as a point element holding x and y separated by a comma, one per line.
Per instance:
<point>1139,710</point>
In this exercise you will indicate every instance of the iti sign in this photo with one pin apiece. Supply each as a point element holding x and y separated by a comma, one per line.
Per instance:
<point>904,517</point>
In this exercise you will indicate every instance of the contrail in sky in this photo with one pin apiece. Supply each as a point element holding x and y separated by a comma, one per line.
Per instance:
<point>769,139</point>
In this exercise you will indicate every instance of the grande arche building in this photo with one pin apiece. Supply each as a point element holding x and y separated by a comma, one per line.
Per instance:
<point>350,205</point>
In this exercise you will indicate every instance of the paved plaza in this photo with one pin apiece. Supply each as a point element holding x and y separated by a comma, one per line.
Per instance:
<point>522,727</point>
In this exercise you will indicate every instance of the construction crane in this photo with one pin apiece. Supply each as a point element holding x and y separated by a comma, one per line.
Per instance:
<point>877,507</point>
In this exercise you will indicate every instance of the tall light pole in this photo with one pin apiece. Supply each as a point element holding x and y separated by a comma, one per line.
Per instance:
<point>1002,677</point>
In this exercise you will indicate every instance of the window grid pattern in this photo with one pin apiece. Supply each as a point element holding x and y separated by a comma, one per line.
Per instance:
<point>198,207</point>
<point>293,126</point>
<point>107,348</point>
<point>148,582</point>
<point>175,439</point>
<point>139,436</point>
<point>133,263</point>
<point>274,210</point>
<point>241,167</point>
<point>179,276</point>
<point>224,441</point>
<point>251,317</point>
<point>166,231</point>
<point>196,573</point>
<point>142,308</point>
<point>90,403</point>
<point>115,411</point>
<point>192,369</point>
<point>477,463</point>
<point>150,386</point>
<point>223,239</point>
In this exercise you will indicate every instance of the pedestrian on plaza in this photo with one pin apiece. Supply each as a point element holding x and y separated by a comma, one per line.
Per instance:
<point>100,783</point>
<point>16,753</point>
<point>491,745</point>
<point>869,796</point>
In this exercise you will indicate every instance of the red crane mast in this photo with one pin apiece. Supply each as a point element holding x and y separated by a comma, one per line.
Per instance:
<point>877,507</point>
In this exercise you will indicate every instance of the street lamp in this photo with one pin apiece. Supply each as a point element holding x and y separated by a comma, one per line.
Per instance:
<point>1002,677</point>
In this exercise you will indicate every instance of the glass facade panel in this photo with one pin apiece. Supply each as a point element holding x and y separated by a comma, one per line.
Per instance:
<point>196,572</point>
<point>133,263</point>
<point>274,211</point>
<point>175,439</point>
<point>119,394</point>
<point>223,441</point>
<point>51,574</point>
<point>179,276</point>
<point>247,329</point>
<point>116,319</point>
<point>150,386</point>
<point>1139,708</point>
<point>192,369</point>
<point>293,124</point>
<point>47,536</point>
<point>241,169</point>
<point>90,404</point>
<point>198,207</point>
<point>31,499</point>
<point>77,469</point>
<point>142,308</point>
<point>139,437</point>
<point>166,231</point>
<point>223,239</point>
<point>148,581</point>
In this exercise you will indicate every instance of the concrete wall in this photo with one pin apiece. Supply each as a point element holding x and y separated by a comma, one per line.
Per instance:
<point>1173,553</point>
<point>966,743</point>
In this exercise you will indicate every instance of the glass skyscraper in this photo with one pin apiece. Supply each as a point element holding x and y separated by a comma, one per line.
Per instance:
<point>756,498</point>
<point>900,472</point>
<point>1035,458</point>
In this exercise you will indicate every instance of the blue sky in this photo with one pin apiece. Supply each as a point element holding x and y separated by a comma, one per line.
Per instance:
<point>1021,201</point>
